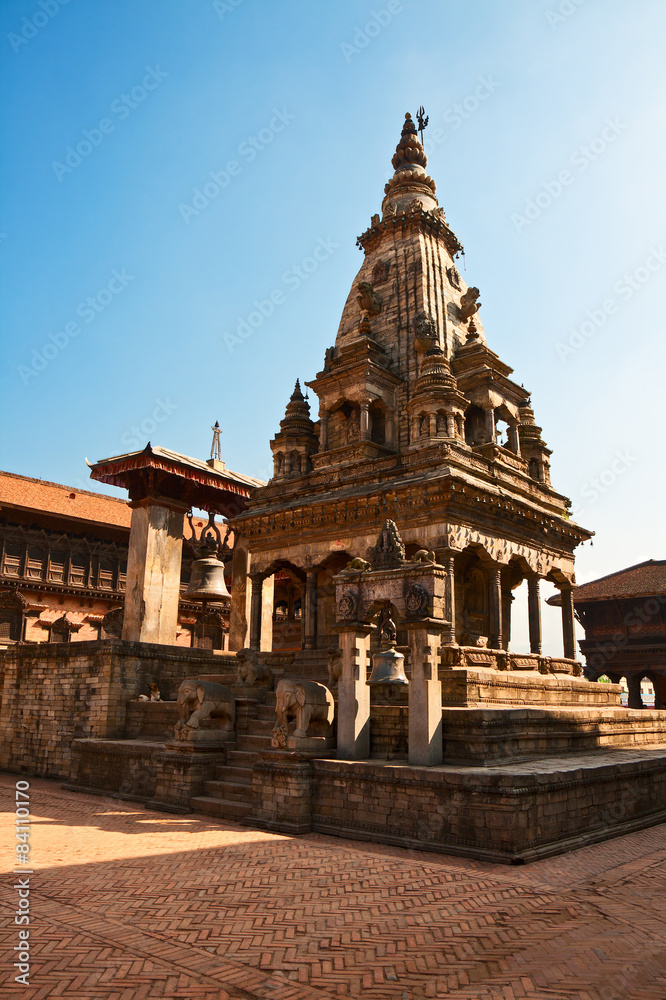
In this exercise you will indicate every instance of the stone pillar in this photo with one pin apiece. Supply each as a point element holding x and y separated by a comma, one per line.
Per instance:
<point>267,612</point>
<point>323,430</point>
<point>659,685</point>
<point>449,634</point>
<point>514,442</point>
<point>534,613</point>
<point>310,609</point>
<point>425,694</point>
<point>634,685</point>
<point>153,572</point>
<point>365,421</point>
<point>432,425</point>
<point>353,692</point>
<point>568,625</point>
<point>495,608</point>
<point>256,601</point>
<point>490,424</point>
<point>240,598</point>
<point>450,425</point>
<point>389,433</point>
<point>507,601</point>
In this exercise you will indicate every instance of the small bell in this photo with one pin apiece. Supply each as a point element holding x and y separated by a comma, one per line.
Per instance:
<point>207,581</point>
<point>388,665</point>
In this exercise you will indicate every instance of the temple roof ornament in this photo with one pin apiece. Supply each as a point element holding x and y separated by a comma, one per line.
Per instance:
<point>410,188</point>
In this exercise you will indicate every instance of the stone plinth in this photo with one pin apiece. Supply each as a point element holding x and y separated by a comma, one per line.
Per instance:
<point>353,692</point>
<point>425,693</point>
<point>282,791</point>
<point>510,814</point>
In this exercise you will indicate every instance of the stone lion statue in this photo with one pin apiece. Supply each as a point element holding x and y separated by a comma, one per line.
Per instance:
<point>357,565</point>
<point>334,667</point>
<point>252,673</point>
<point>369,302</point>
<point>310,702</point>
<point>468,304</point>
<point>198,701</point>
<point>424,556</point>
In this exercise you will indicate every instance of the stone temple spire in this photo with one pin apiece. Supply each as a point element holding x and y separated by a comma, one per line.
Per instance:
<point>410,181</point>
<point>297,439</point>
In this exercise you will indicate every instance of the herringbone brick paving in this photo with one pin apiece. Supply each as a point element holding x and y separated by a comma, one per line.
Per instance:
<point>129,904</point>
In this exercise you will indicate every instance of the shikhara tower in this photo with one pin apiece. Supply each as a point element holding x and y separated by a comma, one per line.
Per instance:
<point>419,421</point>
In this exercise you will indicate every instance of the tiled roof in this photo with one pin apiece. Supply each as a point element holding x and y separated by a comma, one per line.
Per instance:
<point>642,580</point>
<point>183,460</point>
<point>21,492</point>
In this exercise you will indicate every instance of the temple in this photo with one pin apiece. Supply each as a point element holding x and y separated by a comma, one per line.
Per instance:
<point>420,422</point>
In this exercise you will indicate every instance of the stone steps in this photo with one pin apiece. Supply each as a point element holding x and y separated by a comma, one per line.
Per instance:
<point>234,791</point>
<point>223,808</point>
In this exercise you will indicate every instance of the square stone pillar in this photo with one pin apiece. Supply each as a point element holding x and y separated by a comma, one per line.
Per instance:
<point>425,693</point>
<point>153,571</point>
<point>534,612</point>
<point>353,692</point>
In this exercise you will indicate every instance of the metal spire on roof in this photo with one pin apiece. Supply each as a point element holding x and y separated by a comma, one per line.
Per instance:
<point>215,448</point>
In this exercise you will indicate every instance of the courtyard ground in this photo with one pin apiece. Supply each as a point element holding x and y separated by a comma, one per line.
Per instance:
<point>127,903</point>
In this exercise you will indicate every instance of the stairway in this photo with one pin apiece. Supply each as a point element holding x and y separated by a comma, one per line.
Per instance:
<point>229,794</point>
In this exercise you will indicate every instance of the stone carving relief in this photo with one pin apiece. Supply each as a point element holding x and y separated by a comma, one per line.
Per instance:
<point>251,673</point>
<point>417,600</point>
<point>348,604</point>
<point>425,330</point>
<point>389,551</point>
<point>454,277</point>
<point>369,302</point>
<point>309,702</point>
<point>380,271</point>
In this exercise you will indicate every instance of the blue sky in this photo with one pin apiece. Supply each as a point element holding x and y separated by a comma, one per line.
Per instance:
<point>119,287</point>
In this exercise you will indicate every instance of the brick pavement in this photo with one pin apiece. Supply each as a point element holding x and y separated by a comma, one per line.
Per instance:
<point>130,904</point>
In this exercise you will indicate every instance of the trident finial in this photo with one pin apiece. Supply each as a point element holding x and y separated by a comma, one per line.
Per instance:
<point>215,448</point>
<point>422,119</point>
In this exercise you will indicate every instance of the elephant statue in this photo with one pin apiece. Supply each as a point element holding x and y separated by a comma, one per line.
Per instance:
<point>308,701</point>
<point>251,673</point>
<point>199,701</point>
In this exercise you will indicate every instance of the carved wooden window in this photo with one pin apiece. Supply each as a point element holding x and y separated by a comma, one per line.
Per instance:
<point>106,574</point>
<point>10,625</point>
<point>36,563</point>
<point>11,562</point>
<point>122,575</point>
<point>59,632</point>
<point>57,560</point>
<point>77,569</point>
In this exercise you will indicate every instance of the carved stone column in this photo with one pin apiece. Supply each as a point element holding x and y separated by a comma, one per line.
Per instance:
<point>449,634</point>
<point>153,571</point>
<point>310,611</point>
<point>495,607</point>
<point>323,430</point>
<point>353,692</point>
<point>568,624</point>
<point>425,694</point>
<point>490,424</point>
<point>534,613</point>
<point>432,424</point>
<point>257,580</point>
<point>514,441</point>
<point>507,601</point>
<point>634,685</point>
<point>365,421</point>
<point>450,425</point>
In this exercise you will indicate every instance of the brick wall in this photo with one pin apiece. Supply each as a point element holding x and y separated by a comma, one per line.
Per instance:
<point>54,693</point>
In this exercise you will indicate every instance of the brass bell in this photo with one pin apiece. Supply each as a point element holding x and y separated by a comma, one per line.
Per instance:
<point>207,581</point>
<point>388,667</point>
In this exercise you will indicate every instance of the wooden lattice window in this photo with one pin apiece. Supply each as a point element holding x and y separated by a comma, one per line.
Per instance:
<point>77,569</point>
<point>10,625</point>
<point>11,561</point>
<point>36,563</point>
<point>106,569</point>
<point>57,561</point>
